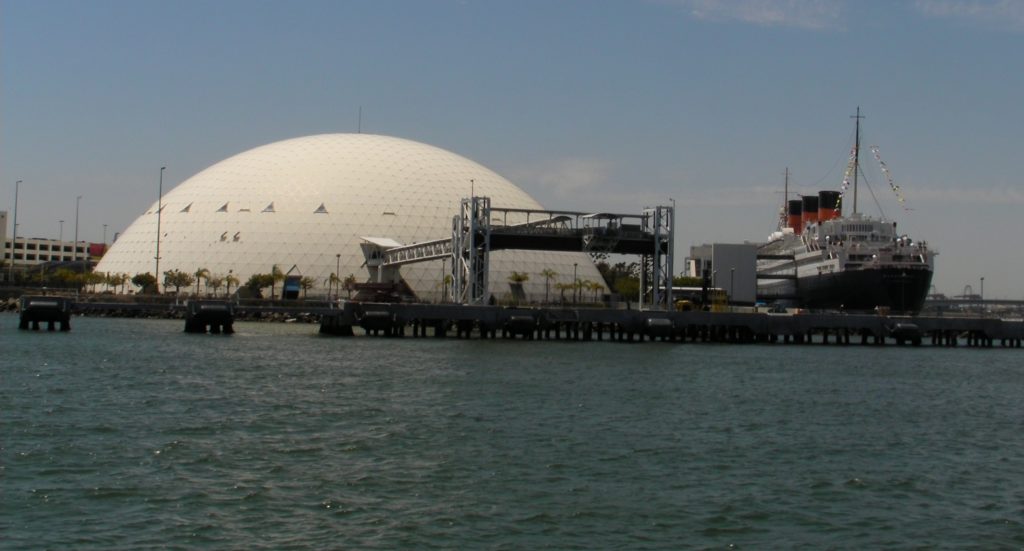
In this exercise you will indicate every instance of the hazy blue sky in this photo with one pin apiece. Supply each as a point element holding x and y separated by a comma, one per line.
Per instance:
<point>587,105</point>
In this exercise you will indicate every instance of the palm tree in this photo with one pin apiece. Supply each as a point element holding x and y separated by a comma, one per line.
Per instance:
<point>516,280</point>
<point>333,282</point>
<point>563,287</point>
<point>201,273</point>
<point>593,286</point>
<point>349,284</point>
<point>215,281</point>
<point>92,279</point>
<point>549,275</point>
<point>306,283</point>
<point>277,275</point>
<point>230,280</point>
<point>115,280</point>
<point>446,282</point>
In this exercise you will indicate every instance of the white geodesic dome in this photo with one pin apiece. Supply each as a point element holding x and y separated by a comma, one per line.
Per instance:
<point>300,203</point>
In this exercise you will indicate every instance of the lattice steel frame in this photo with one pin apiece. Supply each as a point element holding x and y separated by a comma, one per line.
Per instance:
<point>659,221</point>
<point>471,247</point>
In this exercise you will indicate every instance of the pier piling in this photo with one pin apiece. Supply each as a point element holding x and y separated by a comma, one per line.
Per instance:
<point>215,316</point>
<point>52,310</point>
<point>589,325</point>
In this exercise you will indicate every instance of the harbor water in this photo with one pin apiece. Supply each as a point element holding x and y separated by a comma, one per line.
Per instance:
<point>131,434</point>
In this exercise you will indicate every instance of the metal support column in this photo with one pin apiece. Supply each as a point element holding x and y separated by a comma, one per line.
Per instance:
<point>660,222</point>
<point>471,240</point>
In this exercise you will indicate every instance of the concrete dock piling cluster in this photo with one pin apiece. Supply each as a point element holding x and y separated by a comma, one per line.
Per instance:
<point>217,316</point>
<point>489,322</point>
<point>43,309</point>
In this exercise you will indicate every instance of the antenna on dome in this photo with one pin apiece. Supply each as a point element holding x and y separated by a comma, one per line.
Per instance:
<point>359,128</point>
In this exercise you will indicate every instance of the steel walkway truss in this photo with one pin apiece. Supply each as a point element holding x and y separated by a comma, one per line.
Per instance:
<point>479,229</point>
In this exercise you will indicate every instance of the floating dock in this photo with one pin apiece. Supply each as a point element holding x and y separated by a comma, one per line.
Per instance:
<point>584,324</point>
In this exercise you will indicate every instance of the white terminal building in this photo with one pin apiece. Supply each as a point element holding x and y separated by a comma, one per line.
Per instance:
<point>306,204</point>
<point>29,252</point>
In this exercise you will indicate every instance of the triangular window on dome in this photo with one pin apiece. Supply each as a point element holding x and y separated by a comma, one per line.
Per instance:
<point>224,208</point>
<point>187,208</point>
<point>321,210</point>
<point>269,208</point>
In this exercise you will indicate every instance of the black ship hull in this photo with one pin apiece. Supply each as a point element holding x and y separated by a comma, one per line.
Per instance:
<point>901,290</point>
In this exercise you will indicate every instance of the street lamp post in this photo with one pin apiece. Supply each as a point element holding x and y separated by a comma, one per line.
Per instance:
<point>159,212</point>
<point>714,285</point>
<point>337,277</point>
<point>14,238</point>
<point>104,235</point>
<point>60,239</point>
<point>732,279</point>
<point>982,295</point>
<point>575,283</point>
<point>444,280</point>
<point>78,201</point>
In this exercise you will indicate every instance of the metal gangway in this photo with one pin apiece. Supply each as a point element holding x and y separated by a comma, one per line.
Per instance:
<point>480,228</point>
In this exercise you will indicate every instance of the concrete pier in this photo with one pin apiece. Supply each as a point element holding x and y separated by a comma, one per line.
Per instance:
<point>397,320</point>
<point>833,329</point>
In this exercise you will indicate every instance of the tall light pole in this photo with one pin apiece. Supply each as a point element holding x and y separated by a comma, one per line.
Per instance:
<point>575,283</point>
<point>337,276</point>
<point>60,242</point>
<point>74,248</point>
<point>444,280</point>
<point>671,256</point>
<point>14,238</point>
<point>159,212</point>
<point>104,236</point>
<point>982,295</point>
<point>714,285</point>
<point>732,279</point>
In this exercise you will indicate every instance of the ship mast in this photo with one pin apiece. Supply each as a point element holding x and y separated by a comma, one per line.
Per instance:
<point>856,157</point>
<point>785,202</point>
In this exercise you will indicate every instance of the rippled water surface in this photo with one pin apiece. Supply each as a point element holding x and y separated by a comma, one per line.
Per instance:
<point>131,434</point>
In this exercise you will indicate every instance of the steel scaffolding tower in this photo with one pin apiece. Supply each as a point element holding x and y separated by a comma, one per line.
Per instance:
<point>471,247</point>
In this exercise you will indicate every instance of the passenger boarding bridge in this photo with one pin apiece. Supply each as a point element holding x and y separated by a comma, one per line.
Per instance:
<point>480,228</point>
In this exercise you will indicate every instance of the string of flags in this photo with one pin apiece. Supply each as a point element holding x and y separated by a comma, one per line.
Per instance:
<point>848,174</point>
<point>888,176</point>
<point>846,178</point>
